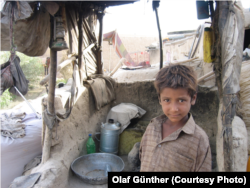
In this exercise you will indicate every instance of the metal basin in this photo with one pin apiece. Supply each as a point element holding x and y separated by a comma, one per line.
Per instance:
<point>92,168</point>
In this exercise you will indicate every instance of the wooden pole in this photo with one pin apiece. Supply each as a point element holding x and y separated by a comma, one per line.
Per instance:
<point>185,61</point>
<point>99,56</point>
<point>50,106</point>
<point>80,40</point>
<point>230,35</point>
<point>51,98</point>
<point>227,135</point>
<point>211,7</point>
<point>91,22</point>
<point>160,38</point>
<point>119,64</point>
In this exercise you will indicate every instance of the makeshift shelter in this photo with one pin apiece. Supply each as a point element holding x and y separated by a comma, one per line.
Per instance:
<point>81,114</point>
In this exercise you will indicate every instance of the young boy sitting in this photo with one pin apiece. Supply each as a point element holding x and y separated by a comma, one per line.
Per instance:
<point>172,141</point>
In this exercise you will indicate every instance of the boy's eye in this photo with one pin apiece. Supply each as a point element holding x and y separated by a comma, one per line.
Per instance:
<point>181,100</point>
<point>166,100</point>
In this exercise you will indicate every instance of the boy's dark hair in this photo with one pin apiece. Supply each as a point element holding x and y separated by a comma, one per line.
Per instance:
<point>176,76</point>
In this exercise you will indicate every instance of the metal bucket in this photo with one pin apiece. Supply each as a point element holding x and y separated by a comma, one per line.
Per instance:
<point>110,137</point>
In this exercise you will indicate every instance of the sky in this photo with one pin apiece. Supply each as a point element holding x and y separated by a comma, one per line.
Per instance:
<point>138,19</point>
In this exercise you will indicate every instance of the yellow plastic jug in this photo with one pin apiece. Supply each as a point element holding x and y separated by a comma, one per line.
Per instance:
<point>207,45</point>
<point>248,165</point>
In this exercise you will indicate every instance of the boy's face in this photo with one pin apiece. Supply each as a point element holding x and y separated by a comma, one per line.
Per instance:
<point>176,103</point>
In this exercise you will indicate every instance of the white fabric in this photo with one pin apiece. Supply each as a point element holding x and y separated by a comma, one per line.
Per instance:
<point>123,113</point>
<point>246,51</point>
<point>239,144</point>
<point>12,126</point>
<point>16,153</point>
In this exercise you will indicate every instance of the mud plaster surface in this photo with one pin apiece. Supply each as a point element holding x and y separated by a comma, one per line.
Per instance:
<point>85,119</point>
<point>205,110</point>
<point>73,134</point>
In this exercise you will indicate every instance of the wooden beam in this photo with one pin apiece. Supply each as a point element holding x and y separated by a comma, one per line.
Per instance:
<point>80,40</point>
<point>86,50</point>
<point>91,22</point>
<point>99,55</point>
<point>160,38</point>
<point>185,61</point>
<point>50,105</point>
<point>51,96</point>
<point>231,37</point>
<point>205,76</point>
<point>227,134</point>
<point>211,8</point>
<point>121,61</point>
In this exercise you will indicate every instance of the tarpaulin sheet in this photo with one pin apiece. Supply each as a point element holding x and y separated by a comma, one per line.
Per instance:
<point>119,47</point>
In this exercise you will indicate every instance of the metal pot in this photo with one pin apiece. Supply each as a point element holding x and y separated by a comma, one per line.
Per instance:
<point>92,168</point>
<point>110,137</point>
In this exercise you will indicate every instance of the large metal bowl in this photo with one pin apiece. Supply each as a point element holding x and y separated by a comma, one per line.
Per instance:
<point>91,168</point>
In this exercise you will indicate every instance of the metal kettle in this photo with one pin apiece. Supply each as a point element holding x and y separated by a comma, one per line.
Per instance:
<point>110,137</point>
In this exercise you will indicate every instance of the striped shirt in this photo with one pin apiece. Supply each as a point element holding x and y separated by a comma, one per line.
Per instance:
<point>186,149</point>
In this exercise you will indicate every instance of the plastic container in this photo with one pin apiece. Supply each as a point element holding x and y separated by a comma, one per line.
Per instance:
<point>207,45</point>
<point>90,145</point>
<point>248,165</point>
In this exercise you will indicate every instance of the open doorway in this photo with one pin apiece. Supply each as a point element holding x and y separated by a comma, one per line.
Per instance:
<point>246,39</point>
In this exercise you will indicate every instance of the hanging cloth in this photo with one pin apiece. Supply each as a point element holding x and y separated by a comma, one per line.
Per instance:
<point>19,79</point>
<point>6,77</point>
<point>22,10</point>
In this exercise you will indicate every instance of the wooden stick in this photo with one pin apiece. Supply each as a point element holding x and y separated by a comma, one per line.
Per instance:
<point>86,50</point>
<point>160,38</point>
<point>186,61</point>
<point>99,55</point>
<point>50,106</point>
<point>80,41</point>
<point>44,125</point>
<point>211,7</point>
<point>51,99</point>
<point>122,60</point>
<point>91,22</point>
<point>209,78</point>
<point>228,108</point>
<point>205,76</point>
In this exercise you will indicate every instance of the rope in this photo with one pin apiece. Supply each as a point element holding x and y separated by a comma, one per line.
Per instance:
<point>51,120</point>
<point>12,46</point>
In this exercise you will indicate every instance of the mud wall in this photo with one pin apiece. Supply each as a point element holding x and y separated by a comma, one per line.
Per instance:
<point>85,119</point>
<point>72,137</point>
<point>205,111</point>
